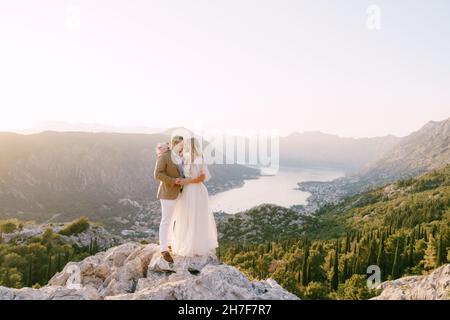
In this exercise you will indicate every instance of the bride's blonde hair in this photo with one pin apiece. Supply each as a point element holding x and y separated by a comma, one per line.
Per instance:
<point>195,149</point>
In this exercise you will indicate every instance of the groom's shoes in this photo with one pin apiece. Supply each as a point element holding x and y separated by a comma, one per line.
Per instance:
<point>166,256</point>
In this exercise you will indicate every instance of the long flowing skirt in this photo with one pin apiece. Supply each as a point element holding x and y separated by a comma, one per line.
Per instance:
<point>193,228</point>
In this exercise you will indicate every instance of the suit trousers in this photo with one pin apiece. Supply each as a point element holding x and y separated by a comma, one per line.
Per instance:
<point>167,210</point>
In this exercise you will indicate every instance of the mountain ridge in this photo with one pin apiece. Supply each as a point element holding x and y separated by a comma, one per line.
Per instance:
<point>323,149</point>
<point>423,150</point>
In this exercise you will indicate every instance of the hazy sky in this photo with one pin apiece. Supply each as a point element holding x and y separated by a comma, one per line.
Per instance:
<point>292,65</point>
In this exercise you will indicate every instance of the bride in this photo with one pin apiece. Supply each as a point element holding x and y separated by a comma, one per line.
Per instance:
<point>193,230</point>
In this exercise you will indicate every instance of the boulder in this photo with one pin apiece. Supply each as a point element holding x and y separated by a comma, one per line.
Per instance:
<point>434,286</point>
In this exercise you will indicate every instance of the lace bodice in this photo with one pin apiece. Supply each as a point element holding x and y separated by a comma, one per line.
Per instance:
<point>193,170</point>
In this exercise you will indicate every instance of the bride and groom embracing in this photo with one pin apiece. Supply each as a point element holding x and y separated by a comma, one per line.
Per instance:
<point>187,225</point>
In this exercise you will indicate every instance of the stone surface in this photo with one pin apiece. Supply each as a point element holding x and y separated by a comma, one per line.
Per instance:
<point>434,286</point>
<point>49,293</point>
<point>103,238</point>
<point>137,272</point>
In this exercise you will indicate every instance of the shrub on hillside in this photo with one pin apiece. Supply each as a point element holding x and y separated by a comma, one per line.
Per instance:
<point>10,225</point>
<point>355,288</point>
<point>75,227</point>
<point>316,291</point>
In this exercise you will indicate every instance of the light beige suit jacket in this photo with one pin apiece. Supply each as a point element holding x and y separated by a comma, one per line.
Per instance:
<point>166,172</point>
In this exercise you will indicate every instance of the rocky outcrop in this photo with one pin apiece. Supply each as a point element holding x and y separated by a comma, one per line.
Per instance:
<point>435,286</point>
<point>133,271</point>
<point>266,222</point>
<point>102,237</point>
<point>49,293</point>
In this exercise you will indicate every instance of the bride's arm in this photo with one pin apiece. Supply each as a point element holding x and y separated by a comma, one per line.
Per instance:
<point>204,173</point>
<point>199,179</point>
<point>201,170</point>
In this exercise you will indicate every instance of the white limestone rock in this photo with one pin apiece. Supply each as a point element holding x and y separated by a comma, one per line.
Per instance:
<point>49,293</point>
<point>434,286</point>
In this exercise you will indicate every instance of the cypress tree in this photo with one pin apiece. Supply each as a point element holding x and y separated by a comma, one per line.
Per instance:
<point>380,255</point>
<point>395,266</point>
<point>30,272</point>
<point>411,253</point>
<point>402,262</point>
<point>335,277</point>
<point>347,244</point>
<point>430,256</point>
<point>344,271</point>
<point>440,252</point>
<point>58,262</point>
<point>371,256</point>
<point>356,263</point>
<point>305,267</point>
<point>310,274</point>
<point>49,268</point>
<point>67,256</point>
<point>7,279</point>
<point>433,231</point>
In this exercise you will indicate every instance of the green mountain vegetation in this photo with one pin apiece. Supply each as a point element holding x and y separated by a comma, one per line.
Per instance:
<point>404,228</point>
<point>265,222</point>
<point>35,261</point>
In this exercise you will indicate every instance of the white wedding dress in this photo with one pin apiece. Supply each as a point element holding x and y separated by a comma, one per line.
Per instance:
<point>193,228</point>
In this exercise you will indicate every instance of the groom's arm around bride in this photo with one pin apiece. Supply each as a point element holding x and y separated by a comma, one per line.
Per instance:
<point>167,173</point>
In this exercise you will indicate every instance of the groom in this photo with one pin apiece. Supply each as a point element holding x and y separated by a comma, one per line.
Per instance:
<point>169,173</point>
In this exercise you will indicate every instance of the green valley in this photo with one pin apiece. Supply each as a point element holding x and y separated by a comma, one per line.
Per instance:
<point>404,228</point>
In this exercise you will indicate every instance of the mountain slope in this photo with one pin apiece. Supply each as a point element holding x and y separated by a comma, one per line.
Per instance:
<point>318,149</point>
<point>419,152</point>
<point>404,204</point>
<point>422,151</point>
<point>105,176</point>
